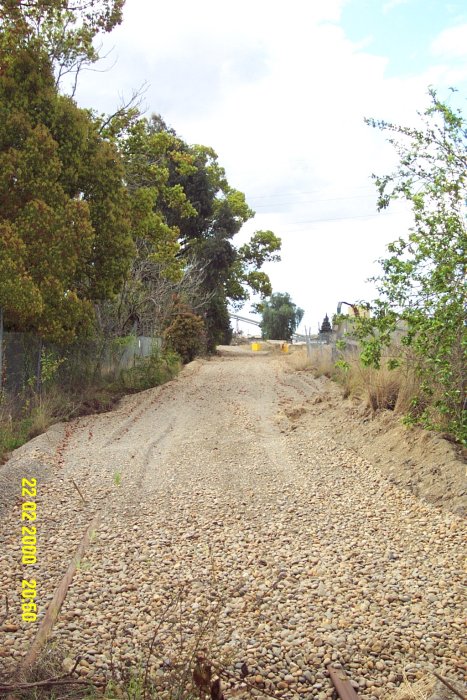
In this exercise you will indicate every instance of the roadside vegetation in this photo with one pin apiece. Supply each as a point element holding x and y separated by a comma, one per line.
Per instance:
<point>390,386</point>
<point>412,346</point>
<point>423,280</point>
<point>197,670</point>
<point>379,388</point>
<point>87,389</point>
<point>111,225</point>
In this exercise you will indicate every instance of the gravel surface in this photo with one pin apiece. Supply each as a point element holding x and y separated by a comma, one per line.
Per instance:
<point>232,522</point>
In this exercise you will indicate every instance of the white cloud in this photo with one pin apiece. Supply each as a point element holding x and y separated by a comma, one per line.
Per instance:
<point>391,4</point>
<point>280,93</point>
<point>451,43</point>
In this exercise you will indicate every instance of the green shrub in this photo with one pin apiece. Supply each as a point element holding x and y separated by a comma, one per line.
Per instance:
<point>13,434</point>
<point>186,335</point>
<point>151,371</point>
<point>422,284</point>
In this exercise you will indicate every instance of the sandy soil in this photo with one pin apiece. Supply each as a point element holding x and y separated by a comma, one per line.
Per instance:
<point>236,515</point>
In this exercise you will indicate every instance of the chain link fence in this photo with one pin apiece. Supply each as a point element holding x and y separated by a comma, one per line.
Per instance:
<point>28,362</point>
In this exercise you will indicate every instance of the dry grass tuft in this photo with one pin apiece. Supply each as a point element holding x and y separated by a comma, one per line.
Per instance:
<point>387,389</point>
<point>299,360</point>
<point>420,690</point>
<point>24,416</point>
<point>380,389</point>
<point>319,363</point>
<point>323,365</point>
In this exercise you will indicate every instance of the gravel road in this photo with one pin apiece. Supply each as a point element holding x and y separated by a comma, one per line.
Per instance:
<point>231,521</point>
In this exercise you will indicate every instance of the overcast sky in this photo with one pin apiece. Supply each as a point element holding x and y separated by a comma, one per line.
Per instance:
<point>280,91</point>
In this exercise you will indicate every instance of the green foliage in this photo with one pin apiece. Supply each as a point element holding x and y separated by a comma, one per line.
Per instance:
<point>246,273</point>
<point>261,248</point>
<point>423,283</point>
<point>65,235</point>
<point>19,295</point>
<point>101,185</point>
<point>219,330</point>
<point>186,334</point>
<point>88,390</point>
<point>50,364</point>
<point>155,162</point>
<point>343,365</point>
<point>393,363</point>
<point>184,215</point>
<point>93,205</point>
<point>44,228</point>
<point>281,317</point>
<point>151,371</point>
<point>13,434</point>
<point>65,29</point>
<point>196,202</point>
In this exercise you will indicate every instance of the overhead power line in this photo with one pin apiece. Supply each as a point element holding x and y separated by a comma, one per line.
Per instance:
<point>341,218</point>
<point>338,218</point>
<point>315,201</point>
<point>295,193</point>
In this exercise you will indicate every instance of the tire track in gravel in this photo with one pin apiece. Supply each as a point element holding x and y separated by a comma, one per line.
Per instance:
<point>232,498</point>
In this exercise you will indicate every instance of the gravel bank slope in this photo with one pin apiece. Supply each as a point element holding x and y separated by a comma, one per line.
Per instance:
<point>217,496</point>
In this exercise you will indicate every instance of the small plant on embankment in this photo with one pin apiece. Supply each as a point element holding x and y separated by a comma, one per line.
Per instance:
<point>13,432</point>
<point>192,669</point>
<point>390,386</point>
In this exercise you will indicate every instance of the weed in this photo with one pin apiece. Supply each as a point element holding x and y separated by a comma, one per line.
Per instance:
<point>394,386</point>
<point>180,660</point>
<point>151,371</point>
<point>319,362</point>
<point>421,689</point>
<point>83,565</point>
<point>14,432</point>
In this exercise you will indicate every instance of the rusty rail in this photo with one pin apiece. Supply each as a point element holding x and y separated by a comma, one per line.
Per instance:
<point>56,603</point>
<point>342,684</point>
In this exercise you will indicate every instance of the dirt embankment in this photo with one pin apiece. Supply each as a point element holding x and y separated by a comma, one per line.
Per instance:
<point>423,462</point>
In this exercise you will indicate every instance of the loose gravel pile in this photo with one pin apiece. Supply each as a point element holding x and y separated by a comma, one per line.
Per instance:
<point>232,523</point>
